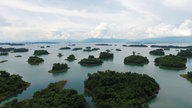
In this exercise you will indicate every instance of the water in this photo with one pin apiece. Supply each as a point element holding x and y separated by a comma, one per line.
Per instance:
<point>175,91</point>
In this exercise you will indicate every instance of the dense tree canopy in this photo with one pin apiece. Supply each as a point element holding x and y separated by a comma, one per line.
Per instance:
<point>59,67</point>
<point>54,96</point>
<point>185,53</point>
<point>11,85</point>
<point>40,52</point>
<point>171,61</point>
<point>136,59</point>
<point>158,52</point>
<point>111,89</point>
<point>91,60</point>
<point>34,60</point>
<point>105,55</point>
<point>75,49</point>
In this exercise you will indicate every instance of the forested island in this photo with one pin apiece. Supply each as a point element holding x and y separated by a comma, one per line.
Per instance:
<point>3,61</point>
<point>187,76</point>
<point>34,60</point>
<point>111,89</point>
<point>117,49</point>
<point>40,52</point>
<point>158,52</point>
<point>89,49</point>
<point>71,58</point>
<point>106,55</point>
<point>11,85</point>
<point>91,61</point>
<point>185,53</point>
<point>59,67</point>
<point>54,96</point>
<point>136,60</point>
<point>171,62</point>
<point>13,49</point>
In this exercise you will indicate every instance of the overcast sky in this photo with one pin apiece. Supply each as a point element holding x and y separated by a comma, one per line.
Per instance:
<point>80,19</point>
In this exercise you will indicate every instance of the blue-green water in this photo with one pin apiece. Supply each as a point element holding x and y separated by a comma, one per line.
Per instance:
<point>175,91</point>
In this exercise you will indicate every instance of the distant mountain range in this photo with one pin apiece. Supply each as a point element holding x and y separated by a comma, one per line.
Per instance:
<point>170,39</point>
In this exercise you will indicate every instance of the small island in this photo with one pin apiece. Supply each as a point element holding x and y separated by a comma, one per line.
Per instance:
<point>40,52</point>
<point>185,53</point>
<point>11,85</point>
<point>106,55</point>
<point>71,58</point>
<point>54,96</point>
<point>76,49</point>
<point>171,62</point>
<point>187,76</point>
<point>91,61</point>
<point>158,52</point>
<point>117,49</point>
<point>18,56</point>
<point>34,60</point>
<point>59,55</point>
<point>65,48</point>
<point>136,60</point>
<point>111,89</point>
<point>3,61</point>
<point>59,67</point>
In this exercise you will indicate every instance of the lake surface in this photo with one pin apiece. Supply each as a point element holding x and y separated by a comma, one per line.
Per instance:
<point>175,91</point>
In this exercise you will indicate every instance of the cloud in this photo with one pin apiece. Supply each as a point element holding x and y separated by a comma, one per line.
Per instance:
<point>184,29</point>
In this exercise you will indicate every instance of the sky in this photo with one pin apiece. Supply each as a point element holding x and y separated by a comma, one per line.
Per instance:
<point>32,20</point>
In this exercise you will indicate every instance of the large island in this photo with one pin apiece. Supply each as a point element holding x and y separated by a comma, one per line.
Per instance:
<point>136,60</point>
<point>91,61</point>
<point>34,60</point>
<point>158,52</point>
<point>106,55</point>
<point>59,67</point>
<point>54,96</point>
<point>111,89</point>
<point>40,52</point>
<point>11,85</point>
<point>171,62</point>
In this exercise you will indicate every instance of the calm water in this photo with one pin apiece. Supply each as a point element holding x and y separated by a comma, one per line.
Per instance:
<point>175,91</point>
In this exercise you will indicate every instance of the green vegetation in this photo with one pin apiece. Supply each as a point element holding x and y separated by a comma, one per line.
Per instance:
<point>65,48</point>
<point>111,89</point>
<point>105,55</point>
<point>11,85</point>
<point>136,60</point>
<point>75,49</point>
<point>71,57</point>
<point>40,52</point>
<point>4,53</point>
<point>185,53</point>
<point>171,62</point>
<point>187,76</point>
<point>2,61</point>
<point>59,67</point>
<point>158,52</point>
<point>91,61</point>
<point>34,60</point>
<point>20,50</point>
<point>54,96</point>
